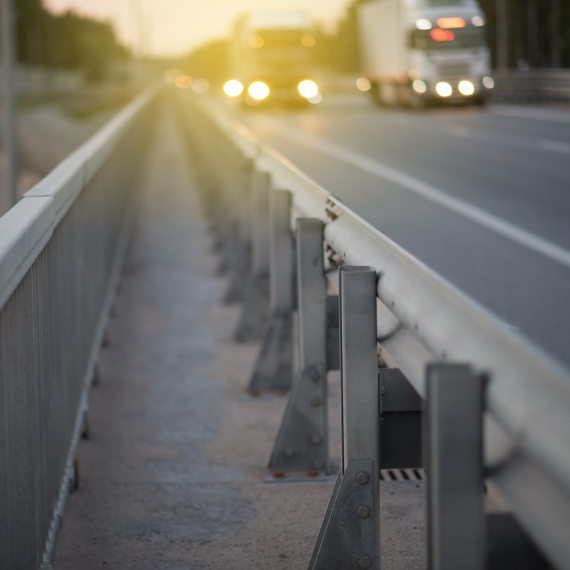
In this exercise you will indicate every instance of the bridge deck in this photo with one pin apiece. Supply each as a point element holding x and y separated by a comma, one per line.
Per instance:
<point>172,475</point>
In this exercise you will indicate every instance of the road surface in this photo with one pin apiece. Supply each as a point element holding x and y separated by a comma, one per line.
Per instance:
<point>480,195</point>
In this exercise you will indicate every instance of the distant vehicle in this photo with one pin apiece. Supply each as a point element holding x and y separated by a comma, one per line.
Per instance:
<point>420,51</point>
<point>273,59</point>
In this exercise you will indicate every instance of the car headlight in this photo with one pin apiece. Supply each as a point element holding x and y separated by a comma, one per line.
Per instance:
<point>308,89</point>
<point>258,90</point>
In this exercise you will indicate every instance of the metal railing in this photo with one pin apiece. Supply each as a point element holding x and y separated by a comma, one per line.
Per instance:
<point>61,251</point>
<point>260,206</point>
<point>532,86</point>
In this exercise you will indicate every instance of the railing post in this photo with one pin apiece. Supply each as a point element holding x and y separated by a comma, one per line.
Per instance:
<point>457,532</point>
<point>256,304</point>
<point>274,366</point>
<point>350,533</point>
<point>239,248</point>
<point>302,443</point>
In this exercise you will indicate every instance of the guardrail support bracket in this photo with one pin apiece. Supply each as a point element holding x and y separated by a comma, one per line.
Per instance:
<point>350,532</point>
<point>301,446</point>
<point>456,520</point>
<point>273,369</point>
<point>255,309</point>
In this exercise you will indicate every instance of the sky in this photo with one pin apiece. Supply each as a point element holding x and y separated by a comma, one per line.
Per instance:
<point>174,27</point>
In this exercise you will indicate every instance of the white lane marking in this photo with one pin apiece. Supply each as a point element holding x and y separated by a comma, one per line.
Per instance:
<point>427,191</point>
<point>538,114</point>
<point>555,146</point>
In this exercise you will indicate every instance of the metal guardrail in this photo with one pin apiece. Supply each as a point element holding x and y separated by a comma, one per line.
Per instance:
<point>61,251</point>
<point>425,327</point>
<point>533,85</point>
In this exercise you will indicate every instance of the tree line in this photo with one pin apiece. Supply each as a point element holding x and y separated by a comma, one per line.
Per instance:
<point>66,41</point>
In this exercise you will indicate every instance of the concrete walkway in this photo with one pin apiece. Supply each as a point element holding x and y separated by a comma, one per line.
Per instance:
<point>172,476</point>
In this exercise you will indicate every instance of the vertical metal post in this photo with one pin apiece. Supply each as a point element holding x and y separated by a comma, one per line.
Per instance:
<point>274,367</point>
<point>302,443</point>
<point>502,35</point>
<point>350,533</point>
<point>282,252</point>
<point>260,185</point>
<point>256,303</point>
<point>457,532</point>
<point>9,194</point>
<point>239,247</point>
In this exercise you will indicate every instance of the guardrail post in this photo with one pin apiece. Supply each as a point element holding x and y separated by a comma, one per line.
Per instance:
<point>350,533</point>
<point>274,366</point>
<point>256,304</point>
<point>302,442</point>
<point>456,520</point>
<point>239,247</point>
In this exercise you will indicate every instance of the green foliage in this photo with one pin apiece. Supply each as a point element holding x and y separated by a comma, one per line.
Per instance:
<point>65,41</point>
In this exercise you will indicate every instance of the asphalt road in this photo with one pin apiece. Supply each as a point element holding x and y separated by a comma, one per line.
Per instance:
<point>480,195</point>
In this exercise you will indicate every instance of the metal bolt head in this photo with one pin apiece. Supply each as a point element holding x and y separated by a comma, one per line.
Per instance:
<point>362,478</point>
<point>316,439</point>
<point>363,512</point>
<point>364,562</point>
<point>316,402</point>
<point>289,452</point>
<point>315,375</point>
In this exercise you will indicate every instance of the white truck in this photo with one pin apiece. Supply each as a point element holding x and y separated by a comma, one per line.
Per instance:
<point>418,52</point>
<point>273,58</point>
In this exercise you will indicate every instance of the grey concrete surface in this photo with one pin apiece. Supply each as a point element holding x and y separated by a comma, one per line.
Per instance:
<point>510,161</point>
<point>172,475</point>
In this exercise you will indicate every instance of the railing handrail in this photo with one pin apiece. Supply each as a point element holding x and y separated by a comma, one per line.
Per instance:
<point>528,395</point>
<point>27,227</point>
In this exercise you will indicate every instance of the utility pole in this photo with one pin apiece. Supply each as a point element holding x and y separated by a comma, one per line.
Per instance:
<point>502,35</point>
<point>556,58</point>
<point>9,191</point>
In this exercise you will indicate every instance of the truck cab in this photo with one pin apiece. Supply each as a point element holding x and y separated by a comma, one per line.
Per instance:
<point>273,58</point>
<point>436,50</point>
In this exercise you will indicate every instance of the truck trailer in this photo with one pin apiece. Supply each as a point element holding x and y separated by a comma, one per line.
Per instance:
<point>273,59</point>
<point>418,52</point>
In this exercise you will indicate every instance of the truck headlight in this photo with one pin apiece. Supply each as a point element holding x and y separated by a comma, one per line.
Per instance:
<point>308,89</point>
<point>443,89</point>
<point>466,88</point>
<point>419,86</point>
<point>258,90</point>
<point>233,88</point>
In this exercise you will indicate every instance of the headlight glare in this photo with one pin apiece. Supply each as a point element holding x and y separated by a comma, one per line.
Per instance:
<point>443,89</point>
<point>258,90</point>
<point>466,88</point>
<point>308,89</point>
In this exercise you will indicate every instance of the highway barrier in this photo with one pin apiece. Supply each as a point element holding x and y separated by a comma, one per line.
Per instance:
<point>429,378</point>
<point>532,85</point>
<point>61,251</point>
